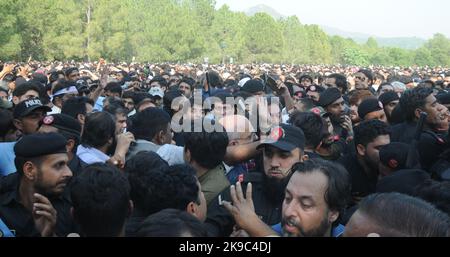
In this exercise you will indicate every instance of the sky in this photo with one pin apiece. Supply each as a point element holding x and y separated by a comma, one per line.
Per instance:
<point>384,18</point>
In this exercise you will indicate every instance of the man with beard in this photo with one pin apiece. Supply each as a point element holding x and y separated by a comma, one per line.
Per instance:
<point>316,196</point>
<point>432,140</point>
<point>32,202</point>
<point>333,103</point>
<point>362,165</point>
<point>99,141</point>
<point>283,148</point>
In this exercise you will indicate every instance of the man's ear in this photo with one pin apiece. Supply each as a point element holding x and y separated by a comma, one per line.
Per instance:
<point>160,137</point>
<point>187,155</point>
<point>417,112</point>
<point>29,170</point>
<point>191,208</point>
<point>18,124</point>
<point>15,100</point>
<point>80,118</point>
<point>361,149</point>
<point>70,145</point>
<point>305,157</point>
<point>333,216</point>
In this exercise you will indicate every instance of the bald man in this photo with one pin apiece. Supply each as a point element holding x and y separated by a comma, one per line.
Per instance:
<point>240,132</point>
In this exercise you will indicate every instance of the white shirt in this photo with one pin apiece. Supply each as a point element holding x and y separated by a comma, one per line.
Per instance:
<point>91,155</point>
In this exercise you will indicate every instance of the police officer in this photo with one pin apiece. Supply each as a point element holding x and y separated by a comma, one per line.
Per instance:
<point>31,200</point>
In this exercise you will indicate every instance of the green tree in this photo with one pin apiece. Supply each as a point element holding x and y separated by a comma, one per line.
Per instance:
<point>264,40</point>
<point>439,47</point>
<point>296,44</point>
<point>319,46</point>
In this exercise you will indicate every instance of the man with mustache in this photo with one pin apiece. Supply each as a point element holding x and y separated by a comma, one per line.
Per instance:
<point>32,202</point>
<point>283,148</point>
<point>316,197</point>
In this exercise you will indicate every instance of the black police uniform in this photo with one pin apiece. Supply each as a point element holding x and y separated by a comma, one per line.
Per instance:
<point>362,183</point>
<point>13,213</point>
<point>19,219</point>
<point>220,222</point>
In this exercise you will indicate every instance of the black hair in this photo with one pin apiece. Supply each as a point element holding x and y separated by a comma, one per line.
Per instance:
<point>19,161</point>
<point>368,74</point>
<point>312,126</point>
<point>396,214</point>
<point>76,105</point>
<point>70,70</point>
<point>168,98</point>
<point>6,122</point>
<point>367,131</point>
<point>162,81</point>
<point>61,84</point>
<point>149,122</point>
<point>189,81</point>
<point>157,187</point>
<point>101,200</point>
<point>306,76</point>
<point>338,191</point>
<point>172,223</point>
<point>129,94</point>
<point>341,81</point>
<point>22,89</point>
<point>54,76</point>
<point>116,108</point>
<point>114,87</point>
<point>413,99</point>
<point>206,148</point>
<point>99,127</point>
<point>214,80</point>
<point>436,193</point>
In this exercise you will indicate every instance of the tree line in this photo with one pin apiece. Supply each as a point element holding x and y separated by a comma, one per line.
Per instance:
<point>184,31</point>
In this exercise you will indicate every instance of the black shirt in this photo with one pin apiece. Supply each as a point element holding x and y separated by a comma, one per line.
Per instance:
<point>19,219</point>
<point>403,132</point>
<point>220,222</point>
<point>362,183</point>
<point>76,165</point>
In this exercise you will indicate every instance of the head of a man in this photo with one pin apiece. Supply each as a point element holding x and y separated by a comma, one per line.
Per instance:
<point>153,125</point>
<point>239,129</point>
<point>417,100</point>
<point>370,136</point>
<point>101,200</point>
<point>28,114</point>
<point>331,100</point>
<point>41,162</point>
<point>316,196</point>
<point>397,215</point>
<point>363,79</point>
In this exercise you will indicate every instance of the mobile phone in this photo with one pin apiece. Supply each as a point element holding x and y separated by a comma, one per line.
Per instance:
<point>272,83</point>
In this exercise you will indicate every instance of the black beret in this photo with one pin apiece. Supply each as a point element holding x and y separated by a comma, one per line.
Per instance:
<point>40,144</point>
<point>443,98</point>
<point>402,181</point>
<point>63,122</point>
<point>394,155</point>
<point>329,96</point>
<point>388,97</point>
<point>369,105</point>
<point>253,86</point>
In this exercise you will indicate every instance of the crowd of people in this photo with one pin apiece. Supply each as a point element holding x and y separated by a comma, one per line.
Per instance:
<point>117,149</point>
